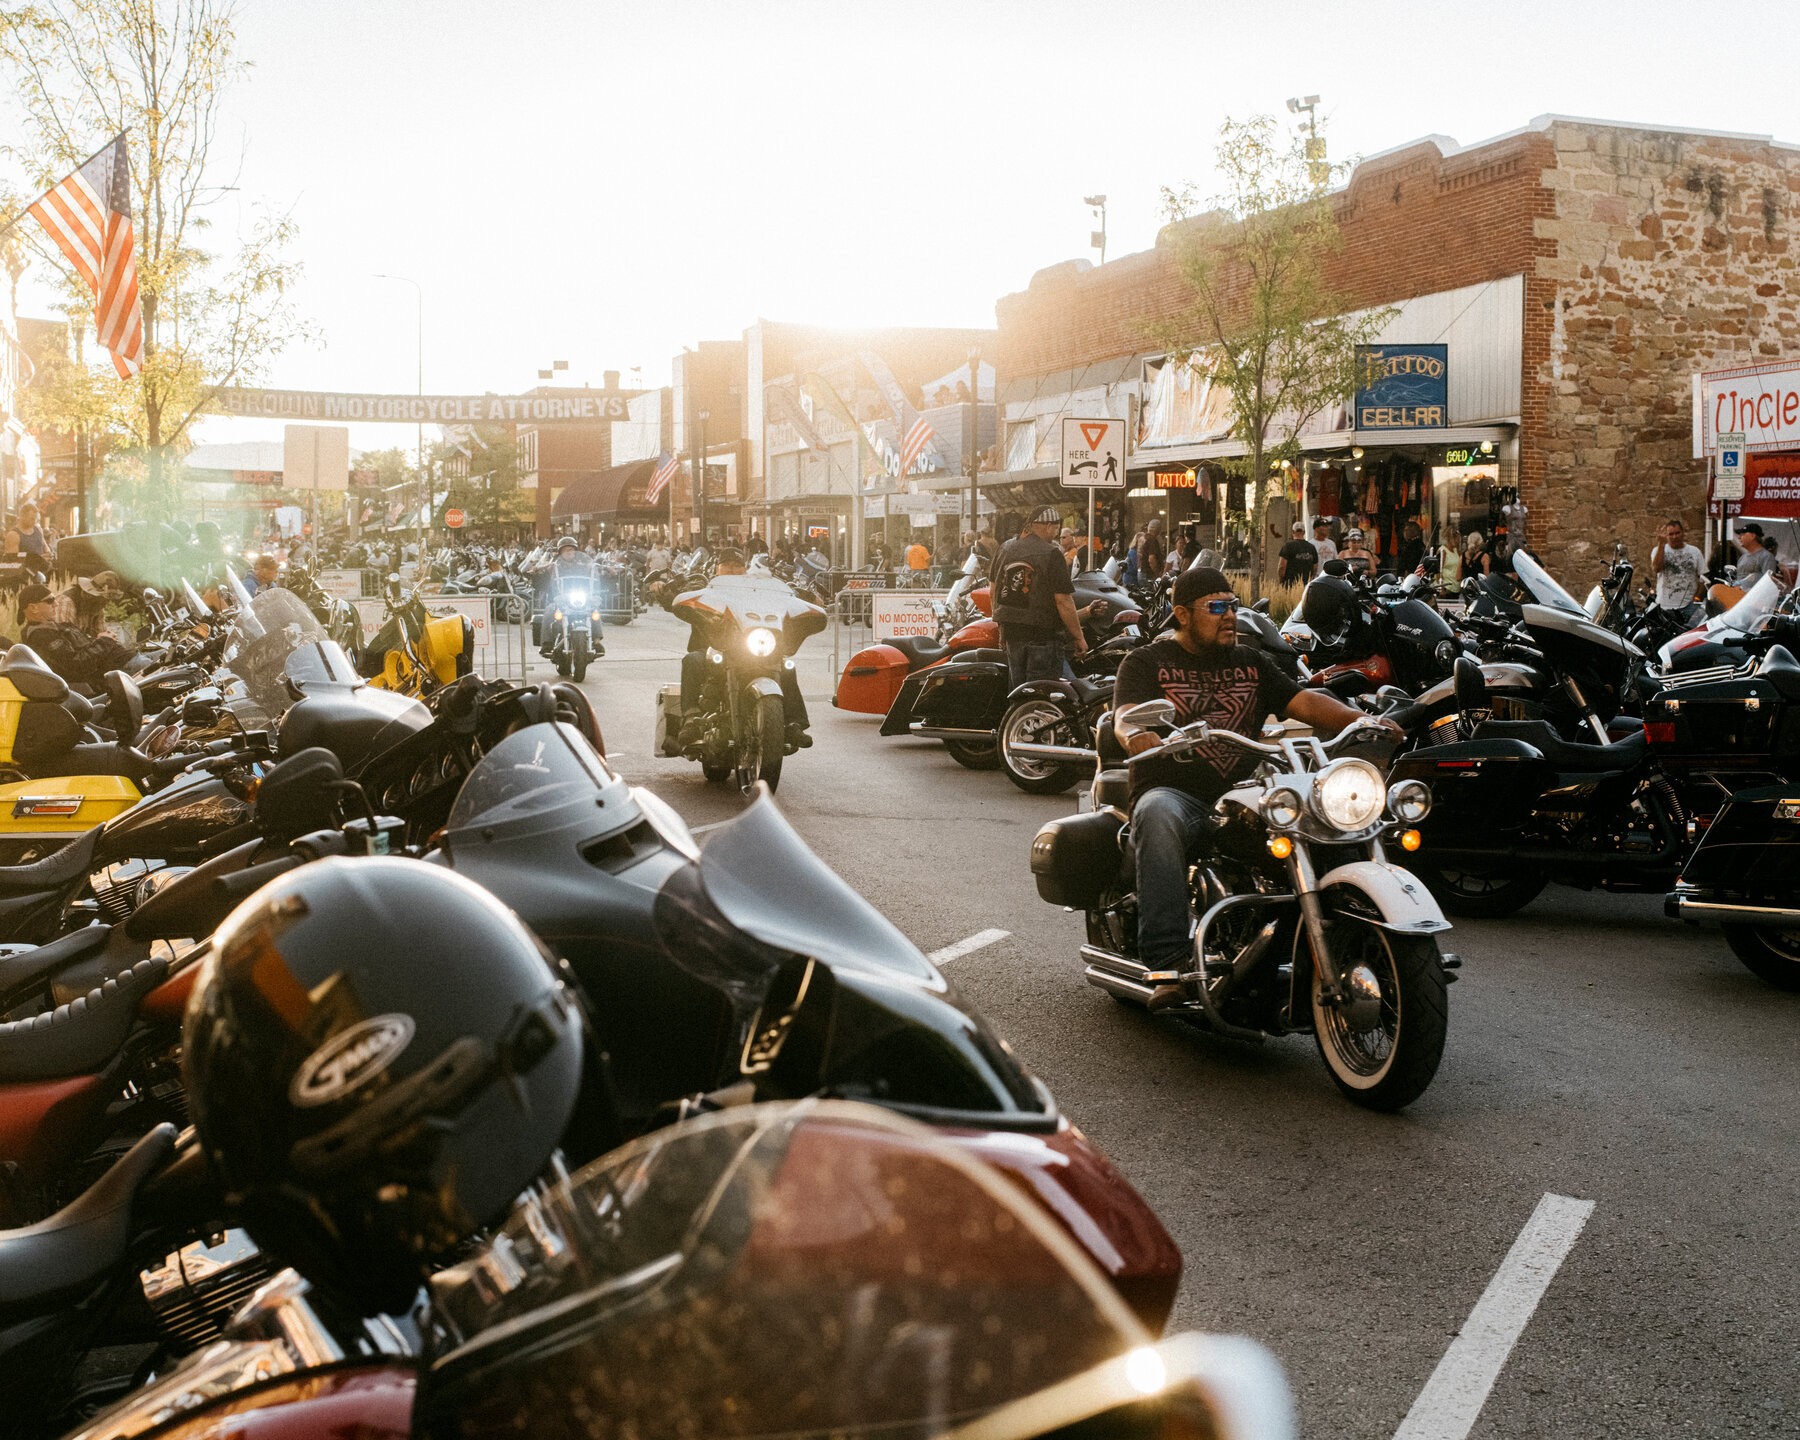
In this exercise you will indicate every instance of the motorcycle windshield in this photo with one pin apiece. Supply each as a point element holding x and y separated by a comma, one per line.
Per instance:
<point>264,633</point>
<point>1759,600</point>
<point>535,769</point>
<point>1545,591</point>
<point>322,663</point>
<point>805,1269</point>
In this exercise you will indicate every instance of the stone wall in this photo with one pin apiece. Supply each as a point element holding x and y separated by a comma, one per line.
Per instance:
<point>1666,253</point>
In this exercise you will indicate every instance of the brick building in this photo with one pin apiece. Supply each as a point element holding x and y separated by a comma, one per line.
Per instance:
<point>1635,257</point>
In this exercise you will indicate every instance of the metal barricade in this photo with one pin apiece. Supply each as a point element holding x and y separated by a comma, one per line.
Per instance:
<point>862,616</point>
<point>509,625</point>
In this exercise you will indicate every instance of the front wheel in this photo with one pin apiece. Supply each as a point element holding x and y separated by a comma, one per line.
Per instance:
<point>974,754</point>
<point>1771,955</point>
<point>1383,1038</point>
<point>578,654</point>
<point>1482,894</point>
<point>761,747</point>
<point>1037,720</point>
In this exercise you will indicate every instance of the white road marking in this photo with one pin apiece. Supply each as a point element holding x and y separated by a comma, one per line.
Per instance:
<point>1451,1401</point>
<point>980,940</point>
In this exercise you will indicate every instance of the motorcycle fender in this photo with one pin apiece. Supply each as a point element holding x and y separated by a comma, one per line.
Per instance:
<point>763,687</point>
<point>1405,904</point>
<point>1054,689</point>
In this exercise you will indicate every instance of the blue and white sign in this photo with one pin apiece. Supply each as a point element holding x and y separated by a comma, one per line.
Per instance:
<point>1404,387</point>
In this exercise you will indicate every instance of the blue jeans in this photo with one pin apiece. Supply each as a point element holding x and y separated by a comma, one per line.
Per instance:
<point>1167,827</point>
<point>1036,660</point>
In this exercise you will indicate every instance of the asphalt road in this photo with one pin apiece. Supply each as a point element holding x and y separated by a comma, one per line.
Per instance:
<point>1596,1051</point>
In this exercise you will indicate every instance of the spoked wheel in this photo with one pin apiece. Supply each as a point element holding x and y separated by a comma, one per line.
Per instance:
<point>760,748</point>
<point>1482,894</point>
<point>974,754</point>
<point>1037,720</point>
<point>578,654</point>
<point>1383,1039</point>
<point>1771,955</point>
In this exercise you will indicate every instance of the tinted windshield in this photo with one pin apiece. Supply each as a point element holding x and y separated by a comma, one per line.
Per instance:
<point>263,634</point>
<point>1544,590</point>
<point>790,1270</point>
<point>536,769</point>
<point>1759,600</point>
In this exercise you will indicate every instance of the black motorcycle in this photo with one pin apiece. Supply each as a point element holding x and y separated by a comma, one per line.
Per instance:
<point>748,630</point>
<point>1745,878</point>
<point>1350,954</point>
<point>1358,638</point>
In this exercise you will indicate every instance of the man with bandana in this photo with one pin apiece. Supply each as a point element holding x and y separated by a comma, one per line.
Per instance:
<point>1199,667</point>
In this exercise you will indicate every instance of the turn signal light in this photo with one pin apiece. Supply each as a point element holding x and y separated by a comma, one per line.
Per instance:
<point>1409,840</point>
<point>1281,847</point>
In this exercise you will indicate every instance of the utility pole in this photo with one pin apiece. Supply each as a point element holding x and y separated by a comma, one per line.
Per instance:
<point>700,476</point>
<point>975,439</point>
<point>1318,168</point>
<point>1097,238</point>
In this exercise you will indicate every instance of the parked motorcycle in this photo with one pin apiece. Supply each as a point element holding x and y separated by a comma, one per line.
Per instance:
<point>415,652</point>
<point>748,630</point>
<point>1745,878</point>
<point>1350,954</point>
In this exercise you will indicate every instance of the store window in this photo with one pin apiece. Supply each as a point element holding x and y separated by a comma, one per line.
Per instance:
<point>1021,445</point>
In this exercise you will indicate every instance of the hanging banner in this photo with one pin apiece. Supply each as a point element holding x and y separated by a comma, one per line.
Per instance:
<point>588,407</point>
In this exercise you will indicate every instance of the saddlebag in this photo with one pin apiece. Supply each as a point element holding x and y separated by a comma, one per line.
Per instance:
<point>871,680</point>
<point>668,721</point>
<point>1077,858</point>
<point>1479,788</point>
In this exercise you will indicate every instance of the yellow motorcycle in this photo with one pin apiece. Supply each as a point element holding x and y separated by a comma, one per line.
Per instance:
<point>415,652</point>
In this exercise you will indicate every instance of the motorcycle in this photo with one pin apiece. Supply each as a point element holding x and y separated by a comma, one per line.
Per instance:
<point>571,628</point>
<point>779,1269</point>
<point>748,630</point>
<point>1351,954</point>
<point>872,681</point>
<point>1357,640</point>
<point>1745,878</point>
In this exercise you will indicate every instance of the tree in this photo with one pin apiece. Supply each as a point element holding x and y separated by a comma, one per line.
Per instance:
<point>81,71</point>
<point>1260,316</point>
<point>483,466</point>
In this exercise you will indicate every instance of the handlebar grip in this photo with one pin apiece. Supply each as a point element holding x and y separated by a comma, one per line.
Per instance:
<point>169,766</point>
<point>252,878</point>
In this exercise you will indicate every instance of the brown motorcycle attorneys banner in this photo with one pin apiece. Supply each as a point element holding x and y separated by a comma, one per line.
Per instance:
<point>579,408</point>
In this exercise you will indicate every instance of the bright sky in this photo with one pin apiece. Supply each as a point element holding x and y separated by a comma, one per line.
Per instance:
<point>601,183</point>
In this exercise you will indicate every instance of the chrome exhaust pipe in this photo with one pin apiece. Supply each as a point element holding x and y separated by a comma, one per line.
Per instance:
<point>1116,985</point>
<point>1116,975</point>
<point>947,732</point>
<point>1029,750</point>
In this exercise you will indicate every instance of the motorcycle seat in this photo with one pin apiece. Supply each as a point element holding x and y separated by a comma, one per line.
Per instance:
<point>1561,753</point>
<point>919,651</point>
<point>31,677</point>
<point>1087,691</point>
<point>55,870</point>
<point>81,1036</point>
<point>1782,671</point>
<point>24,972</point>
<point>53,1260</point>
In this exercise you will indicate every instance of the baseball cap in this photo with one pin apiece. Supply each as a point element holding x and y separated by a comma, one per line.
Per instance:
<point>1354,535</point>
<point>1747,527</point>
<point>1298,528</point>
<point>1321,523</point>
<point>33,595</point>
<point>1190,585</point>
<point>1046,515</point>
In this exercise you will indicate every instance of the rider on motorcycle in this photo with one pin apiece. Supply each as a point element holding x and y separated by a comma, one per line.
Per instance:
<point>571,563</point>
<point>693,674</point>
<point>1200,669</point>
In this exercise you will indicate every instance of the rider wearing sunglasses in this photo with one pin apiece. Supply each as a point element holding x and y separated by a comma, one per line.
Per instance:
<point>1198,666</point>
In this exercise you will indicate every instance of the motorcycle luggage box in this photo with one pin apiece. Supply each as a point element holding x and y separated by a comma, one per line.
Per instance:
<point>1751,852</point>
<point>1076,858</point>
<point>963,695</point>
<point>1731,724</point>
<point>872,680</point>
<point>1477,786</point>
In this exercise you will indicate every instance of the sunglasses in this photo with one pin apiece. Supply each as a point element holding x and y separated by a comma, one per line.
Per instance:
<point>1213,607</point>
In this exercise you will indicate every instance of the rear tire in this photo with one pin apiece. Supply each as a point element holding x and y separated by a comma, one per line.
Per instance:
<point>1482,894</point>
<point>1037,719</point>
<point>1386,1066</point>
<point>974,754</point>
<point>1772,956</point>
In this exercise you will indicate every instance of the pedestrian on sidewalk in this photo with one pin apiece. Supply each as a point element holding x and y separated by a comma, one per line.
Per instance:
<point>1679,568</point>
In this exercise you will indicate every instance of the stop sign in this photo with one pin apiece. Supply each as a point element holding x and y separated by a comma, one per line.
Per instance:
<point>454,519</point>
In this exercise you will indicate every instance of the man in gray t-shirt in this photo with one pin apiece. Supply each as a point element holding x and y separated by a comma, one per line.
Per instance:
<point>1677,566</point>
<point>1753,561</point>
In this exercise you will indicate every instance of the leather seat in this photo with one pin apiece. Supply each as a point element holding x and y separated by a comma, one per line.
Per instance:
<point>45,1264</point>
<point>919,651</point>
<point>1087,691</point>
<point>55,870</point>
<point>24,973</point>
<point>81,1036</point>
<point>1582,759</point>
<point>31,677</point>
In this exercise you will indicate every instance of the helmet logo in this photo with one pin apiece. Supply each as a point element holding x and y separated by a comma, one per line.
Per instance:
<point>349,1058</point>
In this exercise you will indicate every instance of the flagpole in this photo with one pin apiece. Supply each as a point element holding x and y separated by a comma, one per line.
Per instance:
<point>84,164</point>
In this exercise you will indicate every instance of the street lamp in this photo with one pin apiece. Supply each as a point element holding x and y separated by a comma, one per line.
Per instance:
<point>423,483</point>
<point>975,438</point>
<point>700,477</point>
<point>1318,168</point>
<point>1097,238</point>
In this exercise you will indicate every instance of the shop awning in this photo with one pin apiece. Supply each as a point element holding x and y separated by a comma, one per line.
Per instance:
<point>615,494</point>
<point>1175,456</point>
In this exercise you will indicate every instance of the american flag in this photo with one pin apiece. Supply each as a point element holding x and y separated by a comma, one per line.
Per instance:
<point>88,215</point>
<point>916,440</point>
<point>660,477</point>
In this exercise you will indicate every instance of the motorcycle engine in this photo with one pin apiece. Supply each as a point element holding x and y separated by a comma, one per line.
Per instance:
<point>200,1286</point>
<point>116,886</point>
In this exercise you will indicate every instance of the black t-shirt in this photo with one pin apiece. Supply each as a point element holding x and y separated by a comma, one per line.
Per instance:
<point>1234,692</point>
<point>1028,577</point>
<point>1302,558</point>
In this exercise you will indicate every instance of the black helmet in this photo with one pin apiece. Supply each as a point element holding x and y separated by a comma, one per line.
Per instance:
<point>568,542</point>
<point>379,1058</point>
<point>1328,607</point>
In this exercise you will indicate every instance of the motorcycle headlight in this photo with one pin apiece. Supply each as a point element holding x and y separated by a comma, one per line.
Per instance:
<point>1347,794</point>
<point>760,642</point>
<point>1281,807</point>
<point>577,598</point>
<point>1447,652</point>
<point>1409,801</point>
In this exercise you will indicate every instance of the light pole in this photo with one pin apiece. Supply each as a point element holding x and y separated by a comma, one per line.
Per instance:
<point>425,493</point>
<point>975,438</point>
<point>1317,167</point>
<point>1097,238</point>
<point>700,476</point>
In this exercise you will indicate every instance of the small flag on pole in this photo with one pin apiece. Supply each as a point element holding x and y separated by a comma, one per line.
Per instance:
<point>916,440</point>
<point>88,215</point>
<point>660,477</point>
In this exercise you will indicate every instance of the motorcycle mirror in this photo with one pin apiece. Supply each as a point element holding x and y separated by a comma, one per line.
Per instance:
<point>1150,712</point>
<point>1471,589</point>
<point>294,797</point>
<point>1261,606</point>
<point>1471,685</point>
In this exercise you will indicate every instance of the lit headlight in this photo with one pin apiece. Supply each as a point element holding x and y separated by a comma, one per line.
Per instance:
<point>577,598</point>
<point>1347,794</point>
<point>1281,807</point>
<point>1409,801</point>
<point>760,642</point>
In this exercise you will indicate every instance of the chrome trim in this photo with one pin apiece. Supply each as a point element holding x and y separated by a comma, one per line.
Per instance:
<point>1685,908</point>
<point>946,732</point>
<point>1031,750</point>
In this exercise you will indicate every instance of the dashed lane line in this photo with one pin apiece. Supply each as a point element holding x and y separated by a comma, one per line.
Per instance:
<point>980,940</point>
<point>1451,1401</point>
